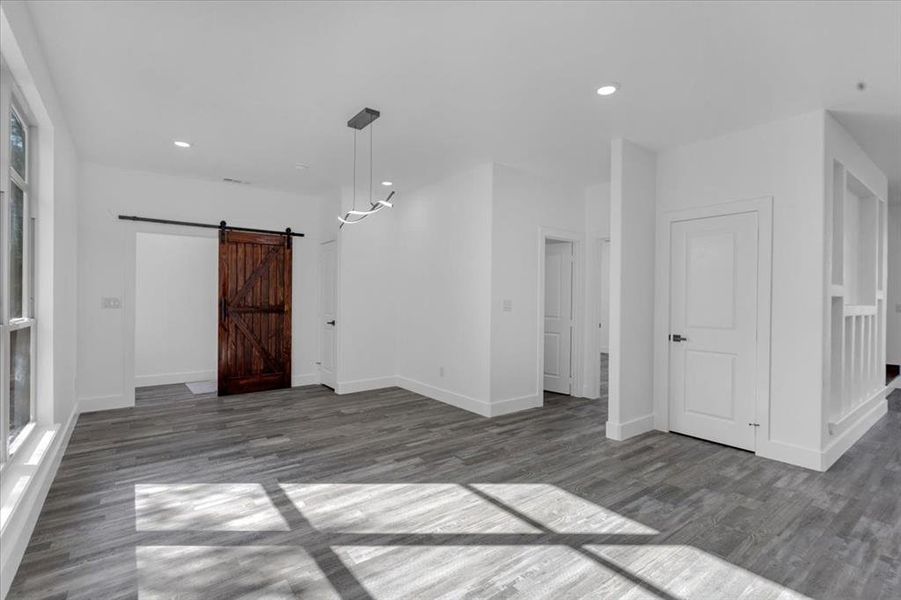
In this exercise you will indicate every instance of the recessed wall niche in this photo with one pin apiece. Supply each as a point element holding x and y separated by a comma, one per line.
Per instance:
<point>856,298</point>
<point>861,243</point>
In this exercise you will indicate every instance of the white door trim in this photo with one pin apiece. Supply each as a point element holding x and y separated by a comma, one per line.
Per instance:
<point>330,381</point>
<point>764,209</point>
<point>604,288</point>
<point>130,292</point>
<point>591,376</point>
<point>576,360</point>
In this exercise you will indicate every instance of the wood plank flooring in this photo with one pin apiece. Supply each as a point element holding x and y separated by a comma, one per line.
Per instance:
<point>386,494</point>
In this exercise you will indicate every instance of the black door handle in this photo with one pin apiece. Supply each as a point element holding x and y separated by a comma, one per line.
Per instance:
<point>675,337</point>
<point>332,322</point>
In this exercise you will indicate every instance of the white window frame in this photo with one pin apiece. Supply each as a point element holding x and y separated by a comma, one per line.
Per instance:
<point>13,102</point>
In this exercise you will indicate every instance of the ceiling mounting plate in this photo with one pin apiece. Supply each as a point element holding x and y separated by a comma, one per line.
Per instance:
<point>363,118</point>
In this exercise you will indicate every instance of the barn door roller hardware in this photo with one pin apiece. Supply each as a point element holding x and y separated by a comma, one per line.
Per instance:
<point>221,225</point>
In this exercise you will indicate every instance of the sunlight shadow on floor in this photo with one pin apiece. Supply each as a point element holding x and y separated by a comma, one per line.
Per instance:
<point>400,508</point>
<point>422,540</point>
<point>521,571</point>
<point>559,510</point>
<point>206,507</point>
<point>686,571</point>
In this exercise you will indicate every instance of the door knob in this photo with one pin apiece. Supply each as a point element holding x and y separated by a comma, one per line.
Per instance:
<point>332,322</point>
<point>675,337</point>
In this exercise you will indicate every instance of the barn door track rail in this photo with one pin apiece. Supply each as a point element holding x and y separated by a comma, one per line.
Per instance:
<point>221,225</point>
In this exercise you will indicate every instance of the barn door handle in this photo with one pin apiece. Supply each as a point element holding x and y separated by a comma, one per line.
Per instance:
<point>332,322</point>
<point>223,311</point>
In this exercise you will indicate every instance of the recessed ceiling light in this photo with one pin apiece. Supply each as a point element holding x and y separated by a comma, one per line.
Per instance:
<point>387,183</point>
<point>182,144</point>
<point>608,89</point>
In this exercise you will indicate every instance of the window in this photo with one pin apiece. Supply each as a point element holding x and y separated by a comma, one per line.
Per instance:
<point>17,323</point>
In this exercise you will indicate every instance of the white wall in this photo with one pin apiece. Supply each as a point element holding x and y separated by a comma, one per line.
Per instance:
<point>421,288</point>
<point>523,206</point>
<point>106,264</point>
<point>365,315</point>
<point>632,247</point>
<point>782,160</point>
<point>442,288</point>
<point>176,301</point>
<point>23,487</point>
<point>893,300</point>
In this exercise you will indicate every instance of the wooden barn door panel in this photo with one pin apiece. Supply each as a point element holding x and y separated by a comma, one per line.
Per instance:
<point>254,312</point>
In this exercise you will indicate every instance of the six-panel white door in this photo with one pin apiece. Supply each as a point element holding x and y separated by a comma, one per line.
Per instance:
<point>558,316</point>
<point>713,293</point>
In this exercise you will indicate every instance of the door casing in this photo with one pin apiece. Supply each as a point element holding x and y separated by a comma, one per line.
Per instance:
<point>764,209</point>
<point>578,242</point>
<point>562,382</point>
<point>328,377</point>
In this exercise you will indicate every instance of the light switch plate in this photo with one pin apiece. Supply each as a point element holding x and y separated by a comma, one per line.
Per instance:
<point>111,303</point>
<point>898,308</point>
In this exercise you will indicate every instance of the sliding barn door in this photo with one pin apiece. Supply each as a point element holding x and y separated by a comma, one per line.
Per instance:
<point>254,312</point>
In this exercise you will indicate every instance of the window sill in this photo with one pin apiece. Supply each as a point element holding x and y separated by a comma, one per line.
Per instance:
<point>19,442</point>
<point>19,471</point>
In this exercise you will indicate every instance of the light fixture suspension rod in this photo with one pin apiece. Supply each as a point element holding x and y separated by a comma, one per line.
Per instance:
<point>354,201</point>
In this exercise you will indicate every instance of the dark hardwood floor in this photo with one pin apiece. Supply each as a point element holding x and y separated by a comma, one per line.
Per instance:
<point>386,494</point>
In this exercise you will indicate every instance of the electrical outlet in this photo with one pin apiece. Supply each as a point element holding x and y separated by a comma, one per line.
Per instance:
<point>111,303</point>
<point>508,305</point>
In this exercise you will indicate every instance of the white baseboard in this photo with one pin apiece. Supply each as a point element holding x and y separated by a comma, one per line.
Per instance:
<point>589,393</point>
<point>512,405</point>
<point>25,510</point>
<point>790,453</point>
<point>875,409</point>
<point>169,378</point>
<point>364,385</point>
<point>480,407</point>
<point>626,429</point>
<point>95,403</point>
<point>300,379</point>
<point>474,405</point>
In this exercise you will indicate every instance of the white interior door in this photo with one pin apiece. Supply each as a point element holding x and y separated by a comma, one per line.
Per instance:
<point>713,335</point>
<point>558,316</point>
<point>604,318</point>
<point>328,292</point>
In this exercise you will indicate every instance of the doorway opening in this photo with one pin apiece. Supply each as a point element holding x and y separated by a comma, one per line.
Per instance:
<point>604,318</point>
<point>560,339</point>
<point>211,313</point>
<point>176,287</point>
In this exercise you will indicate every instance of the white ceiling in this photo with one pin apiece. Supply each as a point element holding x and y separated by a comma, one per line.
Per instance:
<point>260,86</point>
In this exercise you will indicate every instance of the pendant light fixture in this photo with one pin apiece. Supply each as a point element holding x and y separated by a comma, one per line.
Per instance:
<point>358,123</point>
